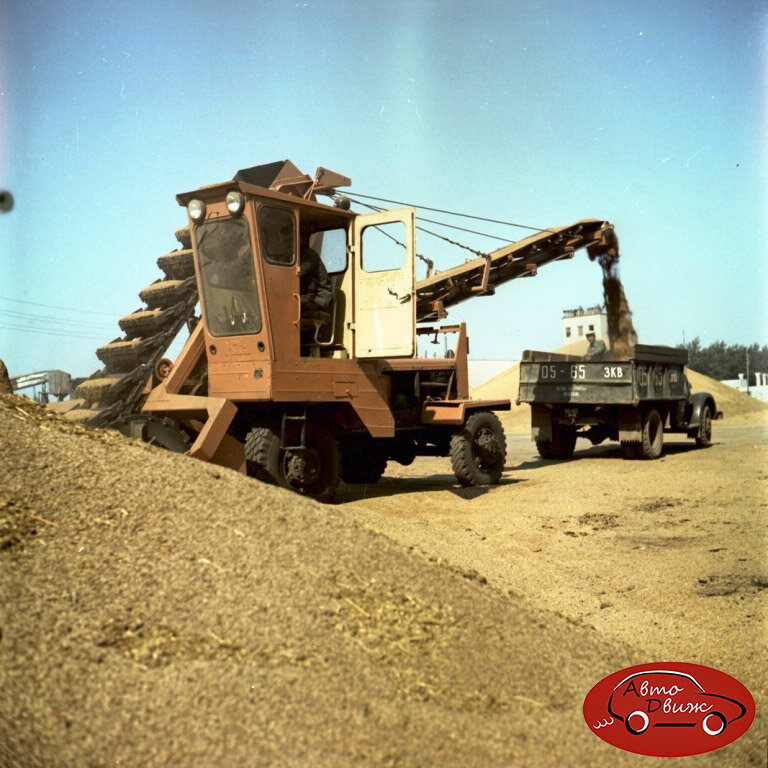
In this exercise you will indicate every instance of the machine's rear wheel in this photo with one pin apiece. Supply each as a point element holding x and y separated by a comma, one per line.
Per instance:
<point>313,470</point>
<point>479,450</point>
<point>362,461</point>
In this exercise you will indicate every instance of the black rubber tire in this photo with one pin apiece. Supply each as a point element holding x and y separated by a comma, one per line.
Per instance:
<point>544,447</point>
<point>262,455</point>
<point>561,446</point>
<point>479,450</point>
<point>704,438</point>
<point>324,442</point>
<point>177,265</point>
<point>652,443</point>
<point>631,449</point>
<point>362,462</point>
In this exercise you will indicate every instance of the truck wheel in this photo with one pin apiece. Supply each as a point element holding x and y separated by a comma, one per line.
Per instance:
<point>561,446</point>
<point>544,447</point>
<point>362,462</point>
<point>479,450</point>
<point>704,438</point>
<point>631,449</point>
<point>315,469</point>
<point>262,455</point>
<point>653,435</point>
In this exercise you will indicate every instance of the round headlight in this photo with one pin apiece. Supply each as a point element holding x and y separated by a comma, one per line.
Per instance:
<point>196,209</point>
<point>235,202</point>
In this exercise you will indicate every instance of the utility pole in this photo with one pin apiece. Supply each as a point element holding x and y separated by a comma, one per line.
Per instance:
<point>747,371</point>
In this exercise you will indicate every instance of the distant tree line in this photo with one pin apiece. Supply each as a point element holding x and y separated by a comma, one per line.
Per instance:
<point>726,361</point>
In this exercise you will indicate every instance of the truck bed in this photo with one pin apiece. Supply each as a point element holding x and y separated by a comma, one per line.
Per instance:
<point>650,373</point>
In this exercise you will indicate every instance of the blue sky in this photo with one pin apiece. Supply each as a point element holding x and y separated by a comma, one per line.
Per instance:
<point>649,115</point>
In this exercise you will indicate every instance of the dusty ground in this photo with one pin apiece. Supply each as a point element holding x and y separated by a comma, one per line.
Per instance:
<point>668,557</point>
<point>156,611</point>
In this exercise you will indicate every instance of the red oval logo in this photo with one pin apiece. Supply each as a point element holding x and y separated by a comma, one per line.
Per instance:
<point>669,709</point>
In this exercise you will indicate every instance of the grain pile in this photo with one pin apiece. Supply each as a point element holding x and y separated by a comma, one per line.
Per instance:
<point>737,407</point>
<point>159,611</point>
<point>5,382</point>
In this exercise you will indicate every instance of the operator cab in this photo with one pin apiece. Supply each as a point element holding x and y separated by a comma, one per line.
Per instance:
<point>263,305</point>
<point>323,265</point>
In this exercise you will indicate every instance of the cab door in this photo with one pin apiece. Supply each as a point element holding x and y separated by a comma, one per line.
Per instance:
<point>383,247</point>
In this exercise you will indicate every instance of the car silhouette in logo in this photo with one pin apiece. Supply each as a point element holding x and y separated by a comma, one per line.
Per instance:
<point>663,698</point>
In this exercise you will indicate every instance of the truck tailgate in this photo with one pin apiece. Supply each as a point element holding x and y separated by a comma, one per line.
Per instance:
<point>576,382</point>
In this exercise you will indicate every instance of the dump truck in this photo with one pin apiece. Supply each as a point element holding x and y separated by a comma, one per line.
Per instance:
<point>633,400</point>
<point>292,396</point>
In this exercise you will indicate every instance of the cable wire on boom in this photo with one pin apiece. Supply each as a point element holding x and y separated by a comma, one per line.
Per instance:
<point>451,213</point>
<point>441,223</point>
<point>481,254</point>
<point>430,264</point>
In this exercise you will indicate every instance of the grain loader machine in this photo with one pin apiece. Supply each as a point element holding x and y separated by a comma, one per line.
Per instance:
<point>294,397</point>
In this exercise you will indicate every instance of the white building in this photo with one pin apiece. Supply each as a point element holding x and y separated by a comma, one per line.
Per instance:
<point>758,391</point>
<point>577,323</point>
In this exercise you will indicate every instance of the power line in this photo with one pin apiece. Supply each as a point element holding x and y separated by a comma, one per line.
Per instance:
<point>48,319</point>
<point>53,306</point>
<point>49,332</point>
<point>451,213</point>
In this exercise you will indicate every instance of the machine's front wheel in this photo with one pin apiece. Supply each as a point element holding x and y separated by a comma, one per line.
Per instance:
<point>479,450</point>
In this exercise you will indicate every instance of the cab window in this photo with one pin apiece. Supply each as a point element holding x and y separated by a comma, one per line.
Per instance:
<point>331,246</point>
<point>383,247</point>
<point>277,228</point>
<point>228,278</point>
